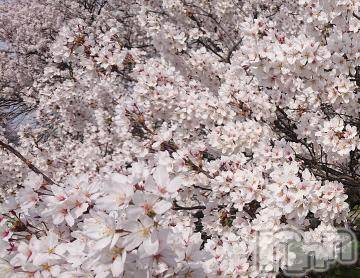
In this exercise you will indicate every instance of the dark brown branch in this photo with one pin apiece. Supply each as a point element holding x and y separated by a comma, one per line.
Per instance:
<point>324,171</point>
<point>202,188</point>
<point>26,161</point>
<point>178,207</point>
<point>312,161</point>
<point>235,46</point>
<point>197,168</point>
<point>208,47</point>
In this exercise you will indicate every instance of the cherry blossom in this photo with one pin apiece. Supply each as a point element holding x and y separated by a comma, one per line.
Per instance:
<point>160,138</point>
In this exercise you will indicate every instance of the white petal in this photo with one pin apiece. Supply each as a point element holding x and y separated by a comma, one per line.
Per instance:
<point>69,220</point>
<point>55,270</point>
<point>162,206</point>
<point>114,240</point>
<point>134,212</point>
<point>138,198</point>
<point>61,249</point>
<point>146,221</point>
<point>102,243</point>
<point>58,219</point>
<point>117,266</point>
<point>53,239</point>
<point>151,245</point>
<point>106,202</point>
<point>118,178</point>
<point>40,259</point>
<point>161,176</point>
<point>128,190</point>
<point>174,184</point>
<point>18,260</point>
<point>132,241</point>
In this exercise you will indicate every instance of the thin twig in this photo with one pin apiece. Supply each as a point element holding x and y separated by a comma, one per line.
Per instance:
<point>178,207</point>
<point>31,166</point>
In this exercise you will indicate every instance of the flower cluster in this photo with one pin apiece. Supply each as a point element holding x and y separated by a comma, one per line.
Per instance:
<point>160,138</point>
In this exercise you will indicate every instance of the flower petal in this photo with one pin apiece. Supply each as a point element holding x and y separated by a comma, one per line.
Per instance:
<point>117,266</point>
<point>161,176</point>
<point>162,206</point>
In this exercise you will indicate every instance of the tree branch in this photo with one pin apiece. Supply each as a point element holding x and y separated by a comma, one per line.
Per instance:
<point>178,207</point>
<point>26,161</point>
